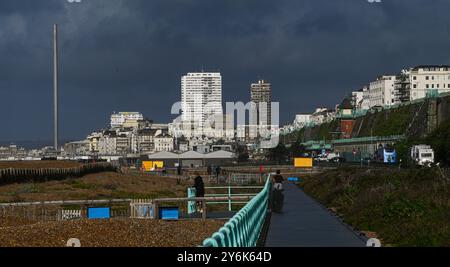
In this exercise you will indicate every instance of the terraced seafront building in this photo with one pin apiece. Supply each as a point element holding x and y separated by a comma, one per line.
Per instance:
<point>427,79</point>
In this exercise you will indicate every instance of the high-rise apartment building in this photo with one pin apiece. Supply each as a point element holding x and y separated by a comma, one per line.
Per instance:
<point>201,98</point>
<point>261,95</point>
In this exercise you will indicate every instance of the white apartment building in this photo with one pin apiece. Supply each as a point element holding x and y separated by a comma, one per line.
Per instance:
<point>302,119</point>
<point>126,119</point>
<point>201,97</point>
<point>426,79</point>
<point>163,142</point>
<point>107,145</point>
<point>357,99</point>
<point>366,98</point>
<point>220,126</point>
<point>381,91</point>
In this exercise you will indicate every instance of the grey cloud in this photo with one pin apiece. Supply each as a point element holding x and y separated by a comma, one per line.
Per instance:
<point>130,54</point>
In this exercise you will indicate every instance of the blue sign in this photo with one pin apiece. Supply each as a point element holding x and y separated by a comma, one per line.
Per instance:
<point>169,213</point>
<point>293,179</point>
<point>99,213</point>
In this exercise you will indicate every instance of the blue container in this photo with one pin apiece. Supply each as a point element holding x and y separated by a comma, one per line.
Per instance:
<point>169,213</point>
<point>99,213</point>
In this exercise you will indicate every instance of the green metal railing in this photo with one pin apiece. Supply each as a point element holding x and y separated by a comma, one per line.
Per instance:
<point>228,193</point>
<point>368,139</point>
<point>244,229</point>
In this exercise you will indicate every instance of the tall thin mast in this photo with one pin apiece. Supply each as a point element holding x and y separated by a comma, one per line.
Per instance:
<point>55,85</point>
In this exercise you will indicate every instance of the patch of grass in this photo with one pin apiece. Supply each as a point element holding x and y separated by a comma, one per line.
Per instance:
<point>29,189</point>
<point>81,185</point>
<point>110,186</point>
<point>404,207</point>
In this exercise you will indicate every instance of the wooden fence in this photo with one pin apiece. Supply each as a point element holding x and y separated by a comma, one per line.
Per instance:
<point>58,210</point>
<point>21,175</point>
<point>141,209</point>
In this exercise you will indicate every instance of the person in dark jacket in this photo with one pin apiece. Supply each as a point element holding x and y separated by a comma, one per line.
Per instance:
<point>278,179</point>
<point>217,172</point>
<point>199,190</point>
<point>277,195</point>
<point>179,170</point>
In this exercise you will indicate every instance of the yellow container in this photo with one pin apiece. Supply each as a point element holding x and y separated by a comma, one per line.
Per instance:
<point>150,165</point>
<point>303,162</point>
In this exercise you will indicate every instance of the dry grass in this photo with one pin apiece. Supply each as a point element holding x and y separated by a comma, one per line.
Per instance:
<point>108,185</point>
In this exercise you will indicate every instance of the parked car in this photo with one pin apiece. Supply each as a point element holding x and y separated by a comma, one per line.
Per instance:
<point>337,159</point>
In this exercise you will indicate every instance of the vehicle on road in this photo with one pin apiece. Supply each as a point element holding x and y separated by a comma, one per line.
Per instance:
<point>338,160</point>
<point>386,154</point>
<point>326,157</point>
<point>422,155</point>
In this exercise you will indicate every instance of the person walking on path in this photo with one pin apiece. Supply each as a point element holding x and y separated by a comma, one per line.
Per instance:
<point>217,172</point>
<point>179,170</point>
<point>199,190</point>
<point>277,192</point>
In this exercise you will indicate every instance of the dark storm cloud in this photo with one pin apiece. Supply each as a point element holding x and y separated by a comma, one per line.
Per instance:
<point>128,55</point>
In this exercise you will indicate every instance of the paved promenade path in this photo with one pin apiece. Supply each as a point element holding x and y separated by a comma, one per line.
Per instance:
<point>305,223</point>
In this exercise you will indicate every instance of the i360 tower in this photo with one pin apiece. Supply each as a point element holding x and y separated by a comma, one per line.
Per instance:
<point>55,86</point>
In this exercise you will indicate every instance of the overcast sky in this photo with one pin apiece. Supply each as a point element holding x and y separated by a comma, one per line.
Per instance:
<point>129,55</point>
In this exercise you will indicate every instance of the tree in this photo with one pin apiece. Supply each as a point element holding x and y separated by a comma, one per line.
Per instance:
<point>297,150</point>
<point>220,142</point>
<point>440,141</point>
<point>243,154</point>
<point>278,154</point>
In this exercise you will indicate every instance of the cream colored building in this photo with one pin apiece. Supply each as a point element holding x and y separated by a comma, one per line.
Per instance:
<point>126,119</point>
<point>164,142</point>
<point>426,79</point>
<point>93,139</point>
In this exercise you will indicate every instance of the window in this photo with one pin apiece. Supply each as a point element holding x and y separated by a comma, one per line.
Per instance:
<point>415,86</point>
<point>415,77</point>
<point>427,86</point>
<point>427,78</point>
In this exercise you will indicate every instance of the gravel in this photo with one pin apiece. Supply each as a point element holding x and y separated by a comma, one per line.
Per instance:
<point>106,233</point>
